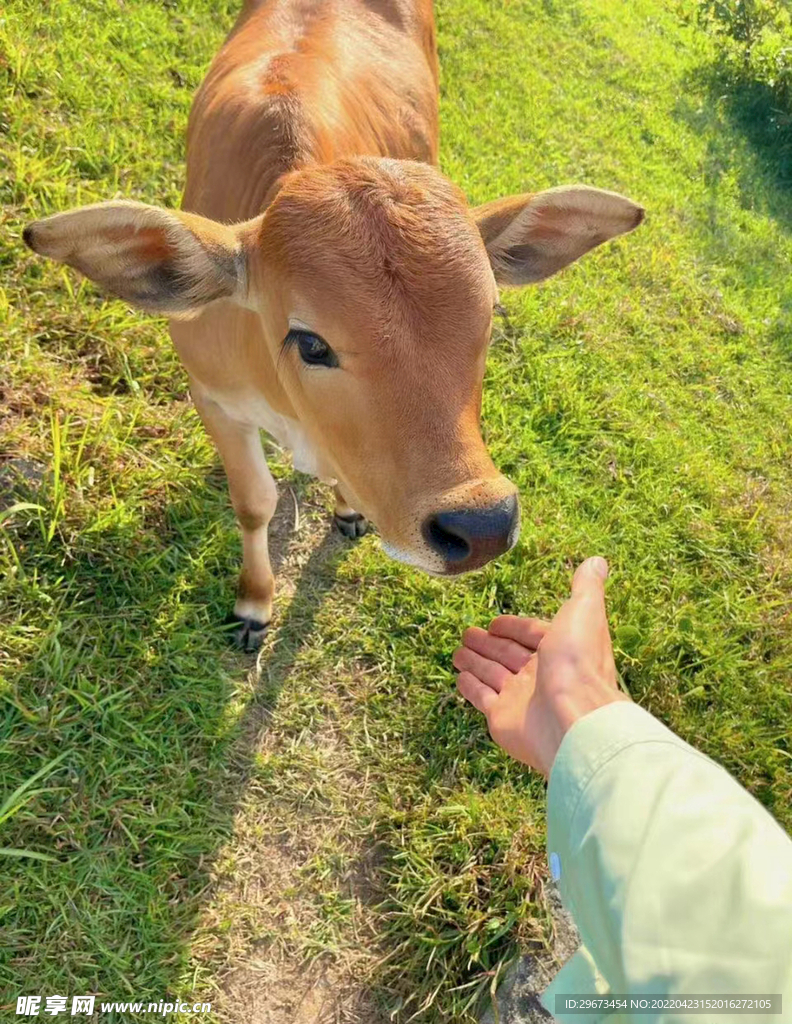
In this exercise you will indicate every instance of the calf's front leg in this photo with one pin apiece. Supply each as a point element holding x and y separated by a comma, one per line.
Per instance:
<point>254,497</point>
<point>349,522</point>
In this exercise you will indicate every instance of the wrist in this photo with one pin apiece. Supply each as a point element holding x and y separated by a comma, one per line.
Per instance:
<point>568,706</point>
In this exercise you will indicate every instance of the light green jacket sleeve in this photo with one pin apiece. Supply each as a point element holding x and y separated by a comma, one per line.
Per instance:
<point>678,880</point>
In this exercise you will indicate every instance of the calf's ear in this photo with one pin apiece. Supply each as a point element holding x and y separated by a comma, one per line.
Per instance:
<point>162,261</point>
<point>530,237</point>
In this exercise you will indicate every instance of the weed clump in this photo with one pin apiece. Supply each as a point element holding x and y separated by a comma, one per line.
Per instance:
<point>753,68</point>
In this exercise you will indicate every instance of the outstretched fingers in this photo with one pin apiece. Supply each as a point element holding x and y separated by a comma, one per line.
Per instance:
<point>482,697</point>
<point>490,673</point>
<point>508,653</point>
<point>524,631</point>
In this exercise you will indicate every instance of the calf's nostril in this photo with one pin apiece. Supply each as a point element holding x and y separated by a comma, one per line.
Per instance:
<point>445,539</point>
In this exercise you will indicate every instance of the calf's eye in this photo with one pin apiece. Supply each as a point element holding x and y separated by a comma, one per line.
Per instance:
<point>314,351</point>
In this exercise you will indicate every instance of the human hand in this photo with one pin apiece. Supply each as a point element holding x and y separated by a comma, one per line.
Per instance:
<point>533,679</point>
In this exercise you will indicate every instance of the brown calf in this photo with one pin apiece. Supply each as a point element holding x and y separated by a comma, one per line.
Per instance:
<point>329,285</point>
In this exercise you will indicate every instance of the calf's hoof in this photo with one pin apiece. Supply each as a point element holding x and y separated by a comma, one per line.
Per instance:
<point>352,526</point>
<point>249,633</point>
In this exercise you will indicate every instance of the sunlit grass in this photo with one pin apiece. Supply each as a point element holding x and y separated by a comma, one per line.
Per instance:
<point>641,401</point>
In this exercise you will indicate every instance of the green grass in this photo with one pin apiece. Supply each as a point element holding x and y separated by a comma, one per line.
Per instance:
<point>213,826</point>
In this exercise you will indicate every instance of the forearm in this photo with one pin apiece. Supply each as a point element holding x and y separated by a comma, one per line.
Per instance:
<point>678,880</point>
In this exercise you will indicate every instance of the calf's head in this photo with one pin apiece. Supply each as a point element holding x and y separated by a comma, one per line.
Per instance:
<point>375,285</point>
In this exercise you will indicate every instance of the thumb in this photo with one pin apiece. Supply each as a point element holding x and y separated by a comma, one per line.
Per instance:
<point>585,610</point>
<point>589,578</point>
<point>582,621</point>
